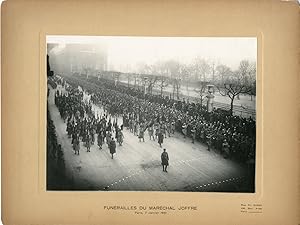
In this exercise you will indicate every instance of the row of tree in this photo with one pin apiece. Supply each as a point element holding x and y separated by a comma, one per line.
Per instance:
<point>228,82</point>
<point>199,74</point>
<point>200,70</point>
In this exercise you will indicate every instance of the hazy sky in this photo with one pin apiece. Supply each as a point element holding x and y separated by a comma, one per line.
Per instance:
<point>124,51</point>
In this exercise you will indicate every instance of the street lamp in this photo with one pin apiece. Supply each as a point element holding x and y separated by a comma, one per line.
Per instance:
<point>145,81</point>
<point>176,87</point>
<point>98,76</point>
<point>116,78</point>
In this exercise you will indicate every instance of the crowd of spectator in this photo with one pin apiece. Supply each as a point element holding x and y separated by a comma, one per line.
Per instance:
<point>233,136</point>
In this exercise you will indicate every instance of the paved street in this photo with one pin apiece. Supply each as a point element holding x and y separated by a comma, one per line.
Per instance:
<point>137,165</point>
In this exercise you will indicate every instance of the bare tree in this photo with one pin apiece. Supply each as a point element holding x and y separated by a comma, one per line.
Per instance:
<point>172,67</point>
<point>204,69</point>
<point>244,71</point>
<point>213,69</point>
<point>200,90</point>
<point>128,76</point>
<point>233,87</point>
<point>253,91</point>
<point>136,80</point>
<point>184,73</point>
<point>149,82</point>
<point>149,76</point>
<point>223,72</point>
<point>201,69</point>
<point>252,79</point>
<point>176,87</point>
<point>164,82</point>
<point>196,68</point>
<point>252,72</point>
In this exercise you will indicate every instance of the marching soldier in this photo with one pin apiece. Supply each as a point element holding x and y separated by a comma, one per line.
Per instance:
<point>164,129</point>
<point>108,138</point>
<point>208,141</point>
<point>120,137</point>
<point>88,142</point>
<point>184,130</point>
<point>173,127</point>
<point>131,125</point>
<point>112,147</point>
<point>93,132</point>
<point>225,149</point>
<point>164,160</point>
<point>135,128</point>
<point>141,134</point>
<point>156,129</point>
<point>76,146</point>
<point>150,132</point>
<point>100,139</point>
<point>160,138</point>
<point>169,125</point>
<point>193,134</point>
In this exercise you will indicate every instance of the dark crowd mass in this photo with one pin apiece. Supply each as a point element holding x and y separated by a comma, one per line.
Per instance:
<point>155,116</point>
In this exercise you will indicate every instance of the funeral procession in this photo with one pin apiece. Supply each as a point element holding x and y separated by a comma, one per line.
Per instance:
<point>151,113</point>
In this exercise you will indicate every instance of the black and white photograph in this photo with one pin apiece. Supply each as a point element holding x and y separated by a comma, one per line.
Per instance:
<point>133,113</point>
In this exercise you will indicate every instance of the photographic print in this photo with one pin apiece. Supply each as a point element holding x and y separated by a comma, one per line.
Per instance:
<point>151,113</point>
